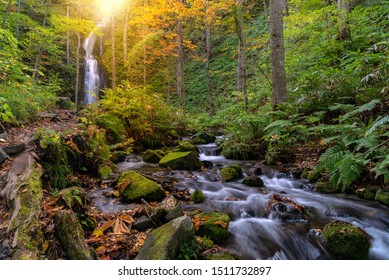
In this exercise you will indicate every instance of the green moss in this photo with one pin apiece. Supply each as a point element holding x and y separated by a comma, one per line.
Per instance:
<point>382,196</point>
<point>253,181</point>
<point>187,146</point>
<point>327,187</point>
<point>136,186</point>
<point>152,156</point>
<point>197,196</point>
<point>346,241</point>
<point>221,256</point>
<point>313,175</point>
<point>369,193</point>
<point>180,161</point>
<point>231,172</point>
<point>214,225</point>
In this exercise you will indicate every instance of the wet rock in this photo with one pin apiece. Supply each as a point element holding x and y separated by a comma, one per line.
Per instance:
<point>169,209</point>
<point>134,187</point>
<point>153,156</point>
<point>15,149</point>
<point>213,225</point>
<point>326,187</point>
<point>3,155</point>
<point>285,209</point>
<point>203,138</point>
<point>346,241</point>
<point>219,256</point>
<point>71,236</point>
<point>382,196</point>
<point>368,193</point>
<point>253,181</point>
<point>207,164</point>
<point>142,223</point>
<point>197,196</point>
<point>164,242</point>
<point>187,146</point>
<point>231,173</point>
<point>180,161</point>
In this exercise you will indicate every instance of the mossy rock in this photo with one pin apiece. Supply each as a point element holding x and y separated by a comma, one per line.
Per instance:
<point>369,193</point>
<point>313,175</point>
<point>214,225</point>
<point>187,146</point>
<point>197,196</point>
<point>152,156</point>
<point>231,173</point>
<point>226,256</point>
<point>382,196</point>
<point>180,161</point>
<point>327,187</point>
<point>345,241</point>
<point>203,138</point>
<point>135,187</point>
<point>253,181</point>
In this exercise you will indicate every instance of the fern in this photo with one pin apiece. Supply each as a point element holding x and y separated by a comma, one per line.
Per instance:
<point>330,157</point>
<point>382,169</point>
<point>363,108</point>
<point>349,169</point>
<point>379,122</point>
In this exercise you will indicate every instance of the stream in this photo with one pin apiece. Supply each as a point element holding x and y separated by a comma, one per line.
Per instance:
<point>256,232</point>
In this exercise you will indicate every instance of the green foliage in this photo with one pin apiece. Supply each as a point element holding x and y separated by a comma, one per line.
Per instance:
<point>189,250</point>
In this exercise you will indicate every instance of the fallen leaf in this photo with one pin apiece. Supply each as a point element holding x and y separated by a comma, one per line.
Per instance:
<point>221,223</point>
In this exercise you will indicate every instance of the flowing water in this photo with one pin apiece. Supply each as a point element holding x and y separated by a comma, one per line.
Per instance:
<point>256,231</point>
<point>93,81</point>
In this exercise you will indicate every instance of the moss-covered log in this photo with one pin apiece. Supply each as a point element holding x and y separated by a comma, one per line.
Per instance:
<point>71,236</point>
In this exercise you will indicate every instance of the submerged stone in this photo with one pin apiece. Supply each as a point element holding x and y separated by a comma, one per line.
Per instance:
<point>135,187</point>
<point>231,173</point>
<point>346,241</point>
<point>253,181</point>
<point>180,161</point>
<point>197,196</point>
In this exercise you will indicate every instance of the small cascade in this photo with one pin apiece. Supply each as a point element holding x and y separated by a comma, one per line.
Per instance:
<point>93,81</point>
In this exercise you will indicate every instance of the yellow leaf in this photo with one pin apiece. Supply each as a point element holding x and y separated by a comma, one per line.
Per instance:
<point>98,232</point>
<point>221,223</point>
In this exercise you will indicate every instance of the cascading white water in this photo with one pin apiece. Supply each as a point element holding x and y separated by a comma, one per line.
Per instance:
<point>92,77</point>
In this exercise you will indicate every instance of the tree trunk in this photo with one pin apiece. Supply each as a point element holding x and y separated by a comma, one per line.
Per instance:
<point>38,56</point>
<point>144,52</point>
<point>67,38</point>
<point>125,35</point>
<point>77,85</point>
<point>344,30</point>
<point>277,55</point>
<point>6,13</point>
<point>113,51</point>
<point>207,62</point>
<point>180,65</point>
<point>241,67</point>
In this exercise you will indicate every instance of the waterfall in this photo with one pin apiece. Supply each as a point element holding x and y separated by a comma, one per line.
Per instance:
<point>92,79</point>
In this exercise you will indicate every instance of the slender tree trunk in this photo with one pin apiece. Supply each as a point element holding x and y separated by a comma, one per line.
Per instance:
<point>344,30</point>
<point>180,64</point>
<point>146,4</point>
<point>113,51</point>
<point>38,57</point>
<point>77,85</point>
<point>17,26</point>
<point>265,13</point>
<point>241,67</point>
<point>207,62</point>
<point>68,37</point>
<point>277,55</point>
<point>125,35</point>
<point>6,13</point>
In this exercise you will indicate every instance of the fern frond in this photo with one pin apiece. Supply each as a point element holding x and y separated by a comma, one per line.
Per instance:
<point>363,108</point>
<point>349,169</point>
<point>382,168</point>
<point>340,106</point>
<point>379,122</point>
<point>279,124</point>
<point>330,157</point>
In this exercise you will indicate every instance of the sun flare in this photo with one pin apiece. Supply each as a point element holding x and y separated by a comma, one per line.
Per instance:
<point>106,7</point>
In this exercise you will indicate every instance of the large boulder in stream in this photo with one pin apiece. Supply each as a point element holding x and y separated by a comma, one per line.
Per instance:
<point>187,146</point>
<point>382,196</point>
<point>180,161</point>
<point>346,241</point>
<point>164,242</point>
<point>133,187</point>
<point>231,173</point>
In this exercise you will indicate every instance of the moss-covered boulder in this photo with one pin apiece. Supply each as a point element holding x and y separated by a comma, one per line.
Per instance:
<point>203,138</point>
<point>187,146</point>
<point>327,187</point>
<point>164,242</point>
<point>180,161</point>
<point>368,193</point>
<point>213,225</point>
<point>253,181</point>
<point>153,156</point>
<point>231,173</point>
<point>71,236</point>
<point>313,175</point>
<point>225,256</point>
<point>133,187</point>
<point>382,196</point>
<point>197,196</point>
<point>345,241</point>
